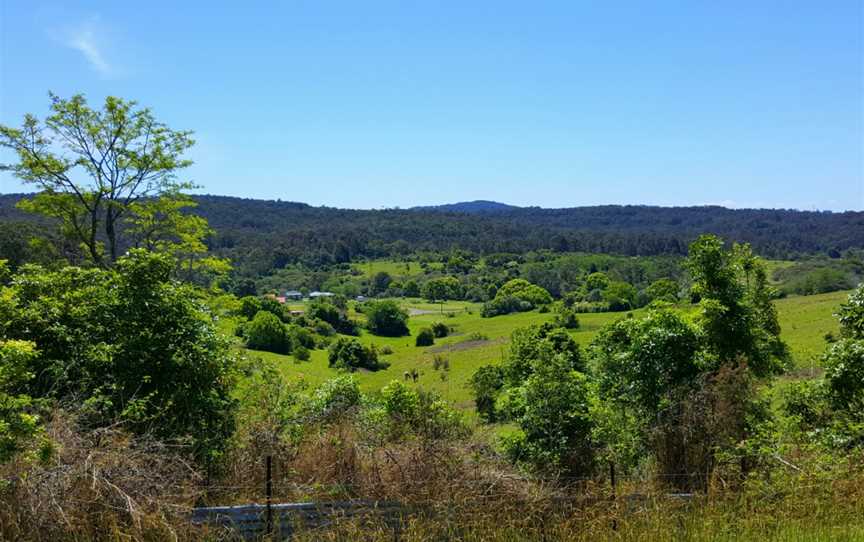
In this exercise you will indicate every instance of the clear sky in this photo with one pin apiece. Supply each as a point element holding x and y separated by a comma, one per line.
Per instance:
<point>371,104</point>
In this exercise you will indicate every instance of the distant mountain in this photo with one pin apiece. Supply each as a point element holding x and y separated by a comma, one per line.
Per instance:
<point>469,207</point>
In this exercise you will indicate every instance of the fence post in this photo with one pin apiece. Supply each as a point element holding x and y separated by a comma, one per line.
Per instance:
<point>269,490</point>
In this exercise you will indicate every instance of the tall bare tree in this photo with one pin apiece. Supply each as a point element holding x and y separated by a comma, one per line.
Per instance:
<point>91,165</point>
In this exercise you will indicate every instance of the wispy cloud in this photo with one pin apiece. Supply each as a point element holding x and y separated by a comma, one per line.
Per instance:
<point>85,42</point>
<point>88,39</point>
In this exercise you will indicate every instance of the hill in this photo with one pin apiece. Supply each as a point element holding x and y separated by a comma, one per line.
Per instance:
<point>263,234</point>
<point>470,207</point>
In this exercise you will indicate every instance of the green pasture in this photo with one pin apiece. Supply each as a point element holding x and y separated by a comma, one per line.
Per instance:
<point>396,269</point>
<point>804,319</point>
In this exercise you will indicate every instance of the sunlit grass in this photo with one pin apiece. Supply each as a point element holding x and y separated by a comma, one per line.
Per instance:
<point>804,320</point>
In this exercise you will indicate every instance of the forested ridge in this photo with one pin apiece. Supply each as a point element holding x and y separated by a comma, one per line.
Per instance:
<point>268,234</point>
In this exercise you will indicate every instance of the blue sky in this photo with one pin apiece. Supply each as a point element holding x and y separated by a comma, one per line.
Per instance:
<point>378,104</point>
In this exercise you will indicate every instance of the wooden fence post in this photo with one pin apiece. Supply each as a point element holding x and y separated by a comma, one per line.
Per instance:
<point>269,490</point>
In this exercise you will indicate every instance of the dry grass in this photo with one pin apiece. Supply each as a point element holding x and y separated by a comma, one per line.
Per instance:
<point>100,485</point>
<point>106,485</point>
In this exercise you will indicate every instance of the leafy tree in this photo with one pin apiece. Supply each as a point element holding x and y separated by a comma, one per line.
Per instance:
<point>486,384</point>
<point>556,425</point>
<point>687,392</point>
<point>129,345</point>
<point>380,282</point>
<point>267,332</point>
<point>243,287</point>
<point>566,317</point>
<point>160,224</point>
<point>642,362</point>
<point>386,318</point>
<point>851,315</point>
<point>596,281</point>
<point>442,288</point>
<point>844,375</point>
<point>350,354</point>
<point>620,296</point>
<point>250,306</point>
<point>504,305</point>
<point>526,345</point>
<point>336,397</point>
<point>525,291</point>
<point>440,329</point>
<point>301,353</point>
<point>411,289</point>
<point>737,315</point>
<point>516,295</point>
<point>664,289</point>
<point>300,336</point>
<point>425,337</point>
<point>125,154</point>
<point>337,316</point>
<point>844,361</point>
<point>408,412</point>
<point>19,421</point>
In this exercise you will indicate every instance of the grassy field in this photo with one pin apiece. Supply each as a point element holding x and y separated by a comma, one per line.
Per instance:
<point>398,270</point>
<point>804,319</point>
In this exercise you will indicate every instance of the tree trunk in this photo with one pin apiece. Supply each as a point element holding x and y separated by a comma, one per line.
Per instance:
<point>111,233</point>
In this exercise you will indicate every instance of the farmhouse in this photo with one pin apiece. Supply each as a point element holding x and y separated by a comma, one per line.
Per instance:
<point>293,295</point>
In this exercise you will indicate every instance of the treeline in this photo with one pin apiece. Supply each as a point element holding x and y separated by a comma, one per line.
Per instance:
<point>261,235</point>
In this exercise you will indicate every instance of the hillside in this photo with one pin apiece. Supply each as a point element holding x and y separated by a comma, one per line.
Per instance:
<point>266,234</point>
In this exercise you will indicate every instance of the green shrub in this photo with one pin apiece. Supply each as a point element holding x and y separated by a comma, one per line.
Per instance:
<point>426,337</point>
<point>335,397</point>
<point>335,315</point>
<point>267,332</point>
<point>127,344</point>
<point>19,422</point>
<point>250,306</point>
<point>504,305</point>
<point>350,354</point>
<point>440,329</point>
<point>300,336</point>
<point>525,291</point>
<point>556,425</point>
<point>566,317</point>
<point>411,412</point>
<point>486,383</point>
<point>386,318</point>
<point>301,353</point>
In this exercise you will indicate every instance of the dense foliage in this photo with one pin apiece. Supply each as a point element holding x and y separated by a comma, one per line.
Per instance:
<point>832,409</point>
<point>349,354</point>
<point>661,385</point>
<point>386,318</point>
<point>267,332</point>
<point>260,236</point>
<point>126,345</point>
